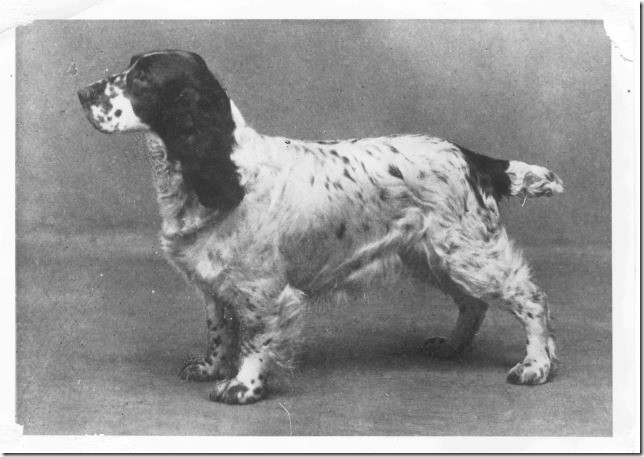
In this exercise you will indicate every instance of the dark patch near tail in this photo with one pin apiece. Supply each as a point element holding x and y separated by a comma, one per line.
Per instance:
<point>487,175</point>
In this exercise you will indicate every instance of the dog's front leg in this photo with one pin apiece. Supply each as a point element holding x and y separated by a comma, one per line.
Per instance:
<point>269,329</point>
<point>249,386</point>
<point>218,361</point>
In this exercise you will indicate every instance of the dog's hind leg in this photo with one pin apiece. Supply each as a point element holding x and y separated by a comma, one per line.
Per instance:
<point>471,312</point>
<point>217,362</point>
<point>497,273</point>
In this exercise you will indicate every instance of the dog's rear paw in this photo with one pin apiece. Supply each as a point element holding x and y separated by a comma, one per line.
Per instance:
<point>441,348</point>
<point>529,373</point>
<point>233,392</point>
<point>195,368</point>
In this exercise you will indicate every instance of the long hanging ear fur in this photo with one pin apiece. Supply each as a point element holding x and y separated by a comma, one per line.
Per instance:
<point>198,127</point>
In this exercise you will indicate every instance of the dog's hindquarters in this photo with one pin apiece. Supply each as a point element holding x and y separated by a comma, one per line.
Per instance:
<point>473,260</point>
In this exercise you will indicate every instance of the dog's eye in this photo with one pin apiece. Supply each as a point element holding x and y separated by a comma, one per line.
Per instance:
<point>140,78</point>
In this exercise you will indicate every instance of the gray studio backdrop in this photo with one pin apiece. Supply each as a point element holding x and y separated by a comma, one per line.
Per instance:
<point>537,91</point>
<point>103,322</point>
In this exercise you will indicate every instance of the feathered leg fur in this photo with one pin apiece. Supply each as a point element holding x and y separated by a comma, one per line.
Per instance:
<point>496,273</point>
<point>217,363</point>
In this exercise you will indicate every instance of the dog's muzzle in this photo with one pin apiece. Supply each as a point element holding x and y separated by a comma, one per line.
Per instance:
<point>89,95</point>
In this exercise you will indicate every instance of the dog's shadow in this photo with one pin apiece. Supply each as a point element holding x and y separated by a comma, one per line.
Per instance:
<point>369,351</point>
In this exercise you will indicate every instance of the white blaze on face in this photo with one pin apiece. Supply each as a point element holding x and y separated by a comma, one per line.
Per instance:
<point>120,116</point>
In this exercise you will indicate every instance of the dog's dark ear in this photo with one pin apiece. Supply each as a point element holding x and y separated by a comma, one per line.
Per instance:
<point>199,134</point>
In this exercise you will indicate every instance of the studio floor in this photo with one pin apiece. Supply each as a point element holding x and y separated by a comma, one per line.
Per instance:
<point>103,323</point>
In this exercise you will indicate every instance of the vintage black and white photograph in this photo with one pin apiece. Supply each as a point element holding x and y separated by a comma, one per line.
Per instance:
<point>348,227</point>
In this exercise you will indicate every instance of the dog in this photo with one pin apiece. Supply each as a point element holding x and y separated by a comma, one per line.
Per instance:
<point>264,227</point>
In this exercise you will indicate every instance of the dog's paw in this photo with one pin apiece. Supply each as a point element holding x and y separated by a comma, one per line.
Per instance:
<point>195,368</point>
<point>234,392</point>
<point>529,372</point>
<point>441,348</point>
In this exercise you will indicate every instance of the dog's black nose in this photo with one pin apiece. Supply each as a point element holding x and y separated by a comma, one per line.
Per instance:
<point>85,94</point>
<point>88,94</point>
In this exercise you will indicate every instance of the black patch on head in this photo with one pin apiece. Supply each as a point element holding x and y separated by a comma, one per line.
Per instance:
<point>340,231</point>
<point>348,175</point>
<point>395,171</point>
<point>175,93</point>
<point>486,175</point>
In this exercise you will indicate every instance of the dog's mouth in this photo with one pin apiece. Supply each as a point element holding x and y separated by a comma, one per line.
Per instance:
<point>96,122</point>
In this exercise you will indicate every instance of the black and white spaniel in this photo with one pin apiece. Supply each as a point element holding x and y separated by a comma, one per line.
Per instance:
<point>264,226</point>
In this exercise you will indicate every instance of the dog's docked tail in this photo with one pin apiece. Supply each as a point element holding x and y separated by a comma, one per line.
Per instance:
<point>532,180</point>
<point>508,178</point>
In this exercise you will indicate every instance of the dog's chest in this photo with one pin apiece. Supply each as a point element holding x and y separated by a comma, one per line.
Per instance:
<point>228,252</point>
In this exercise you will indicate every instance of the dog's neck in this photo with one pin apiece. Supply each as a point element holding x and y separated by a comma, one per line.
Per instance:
<point>181,212</point>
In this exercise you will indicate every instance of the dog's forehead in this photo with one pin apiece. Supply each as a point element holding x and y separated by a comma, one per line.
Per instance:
<point>164,60</point>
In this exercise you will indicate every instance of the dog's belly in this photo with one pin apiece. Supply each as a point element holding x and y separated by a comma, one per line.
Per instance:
<point>305,256</point>
<point>315,261</point>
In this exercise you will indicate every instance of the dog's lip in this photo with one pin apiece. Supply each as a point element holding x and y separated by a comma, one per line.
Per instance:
<point>94,122</point>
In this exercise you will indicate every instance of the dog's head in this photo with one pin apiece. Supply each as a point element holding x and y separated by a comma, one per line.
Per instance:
<point>155,92</point>
<point>173,94</point>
